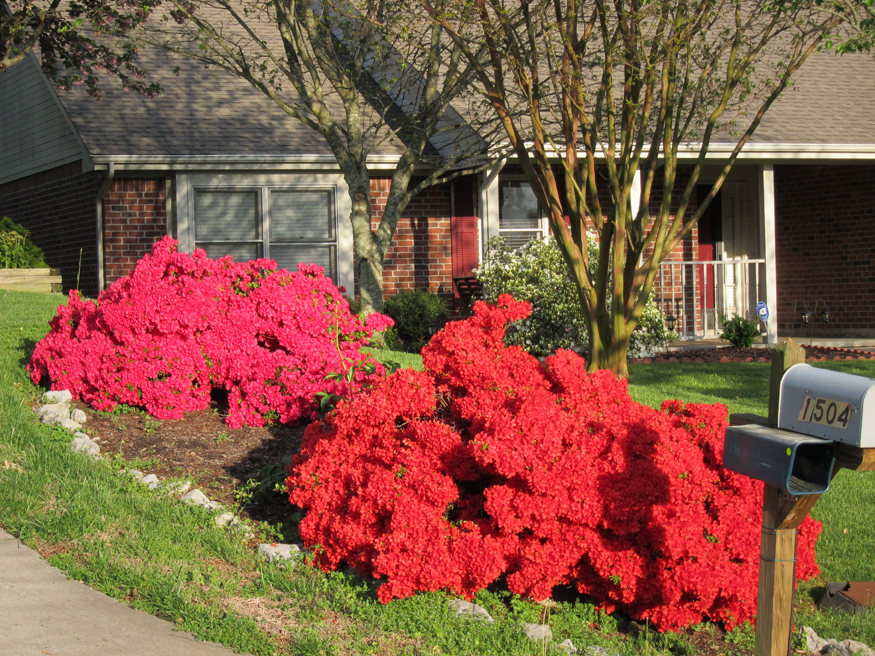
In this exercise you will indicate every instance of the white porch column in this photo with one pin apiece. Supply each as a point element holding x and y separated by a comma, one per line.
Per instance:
<point>767,239</point>
<point>636,193</point>
<point>489,203</point>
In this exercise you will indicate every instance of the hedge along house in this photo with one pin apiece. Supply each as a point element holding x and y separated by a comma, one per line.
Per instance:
<point>218,166</point>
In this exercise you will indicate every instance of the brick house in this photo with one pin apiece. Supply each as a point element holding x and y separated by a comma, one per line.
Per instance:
<point>97,183</point>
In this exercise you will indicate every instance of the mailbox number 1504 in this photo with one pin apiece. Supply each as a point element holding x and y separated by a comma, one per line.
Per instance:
<point>826,412</point>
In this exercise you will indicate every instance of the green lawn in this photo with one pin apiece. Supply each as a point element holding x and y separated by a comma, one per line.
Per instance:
<point>173,561</point>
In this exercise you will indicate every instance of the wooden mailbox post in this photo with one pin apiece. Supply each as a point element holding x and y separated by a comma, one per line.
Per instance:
<point>782,515</point>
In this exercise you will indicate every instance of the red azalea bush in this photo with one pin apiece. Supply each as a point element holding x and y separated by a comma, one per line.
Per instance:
<point>492,463</point>
<point>180,325</point>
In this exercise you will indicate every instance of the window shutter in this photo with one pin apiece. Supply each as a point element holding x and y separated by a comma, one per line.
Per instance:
<point>464,228</point>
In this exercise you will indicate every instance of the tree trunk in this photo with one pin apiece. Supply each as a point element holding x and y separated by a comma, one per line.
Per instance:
<point>609,351</point>
<point>368,254</point>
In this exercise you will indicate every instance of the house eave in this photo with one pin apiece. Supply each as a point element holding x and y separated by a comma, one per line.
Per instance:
<point>786,151</point>
<point>233,162</point>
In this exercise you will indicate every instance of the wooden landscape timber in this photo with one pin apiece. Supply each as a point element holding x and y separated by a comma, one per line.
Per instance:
<point>44,281</point>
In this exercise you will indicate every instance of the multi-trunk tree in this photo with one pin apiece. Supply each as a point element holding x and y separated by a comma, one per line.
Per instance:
<point>65,33</point>
<point>602,102</point>
<point>336,68</point>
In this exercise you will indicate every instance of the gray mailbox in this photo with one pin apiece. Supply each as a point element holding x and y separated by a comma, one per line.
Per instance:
<point>828,404</point>
<point>797,464</point>
<point>816,409</point>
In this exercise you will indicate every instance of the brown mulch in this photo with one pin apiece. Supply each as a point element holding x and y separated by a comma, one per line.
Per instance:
<point>725,354</point>
<point>200,448</point>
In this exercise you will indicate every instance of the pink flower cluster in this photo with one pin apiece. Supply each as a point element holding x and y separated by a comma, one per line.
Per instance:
<point>181,325</point>
<point>491,463</point>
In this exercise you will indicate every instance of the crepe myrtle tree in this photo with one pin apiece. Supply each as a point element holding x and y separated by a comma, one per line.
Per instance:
<point>65,36</point>
<point>600,100</point>
<point>333,67</point>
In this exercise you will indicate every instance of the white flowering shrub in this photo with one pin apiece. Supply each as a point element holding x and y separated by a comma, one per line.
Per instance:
<point>537,273</point>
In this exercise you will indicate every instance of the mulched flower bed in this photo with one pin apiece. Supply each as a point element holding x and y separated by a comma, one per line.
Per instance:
<point>724,354</point>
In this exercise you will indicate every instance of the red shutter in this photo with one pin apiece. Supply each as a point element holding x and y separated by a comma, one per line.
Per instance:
<point>464,227</point>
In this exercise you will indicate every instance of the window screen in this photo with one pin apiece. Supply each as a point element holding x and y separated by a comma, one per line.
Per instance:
<point>231,215</point>
<point>301,216</point>
<point>520,218</point>
<point>288,256</point>
<point>301,225</point>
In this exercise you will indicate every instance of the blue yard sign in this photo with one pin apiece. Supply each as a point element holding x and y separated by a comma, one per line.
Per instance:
<point>763,311</point>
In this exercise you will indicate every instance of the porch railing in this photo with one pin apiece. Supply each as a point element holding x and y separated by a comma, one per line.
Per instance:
<point>696,293</point>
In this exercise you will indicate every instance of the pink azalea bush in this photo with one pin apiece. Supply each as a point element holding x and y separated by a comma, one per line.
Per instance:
<point>181,325</point>
<point>490,463</point>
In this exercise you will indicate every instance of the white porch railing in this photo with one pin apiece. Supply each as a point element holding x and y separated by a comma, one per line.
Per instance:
<point>696,293</point>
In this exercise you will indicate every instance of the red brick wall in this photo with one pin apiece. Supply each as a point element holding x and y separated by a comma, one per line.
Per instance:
<point>134,218</point>
<point>58,208</point>
<point>421,253</point>
<point>825,234</point>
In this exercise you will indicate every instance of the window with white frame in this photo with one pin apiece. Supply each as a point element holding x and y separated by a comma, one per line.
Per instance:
<point>520,218</point>
<point>286,224</point>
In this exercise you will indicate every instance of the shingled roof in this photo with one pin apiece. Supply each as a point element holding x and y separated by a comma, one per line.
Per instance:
<point>200,112</point>
<point>211,112</point>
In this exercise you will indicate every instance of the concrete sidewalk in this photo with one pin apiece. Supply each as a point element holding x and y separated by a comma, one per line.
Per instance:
<point>44,612</point>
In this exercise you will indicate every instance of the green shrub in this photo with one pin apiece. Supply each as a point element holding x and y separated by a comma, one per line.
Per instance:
<point>738,331</point>
<point>413,312</point>
<point>17,251</point>
<point>537,273</point>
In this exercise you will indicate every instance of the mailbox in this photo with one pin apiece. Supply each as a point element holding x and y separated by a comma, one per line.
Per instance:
<point>828,404</point>
<point>798,464</point>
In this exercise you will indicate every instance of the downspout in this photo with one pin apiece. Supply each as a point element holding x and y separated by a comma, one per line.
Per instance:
<point>100,194</point>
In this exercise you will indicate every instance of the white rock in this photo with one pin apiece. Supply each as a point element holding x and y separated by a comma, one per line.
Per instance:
<point>568,647</point>
<point>136,473</point>
<point>813,642</point>
<point>86,446</point>
<point>224,519</point>
<point>177,487</point>
<point>236,525</point>
<point>213,505</point>
<point>846,648</point>
<point>279,551</point>
<point>70,425</point>
<point>858,648</point>
<point>57,396</point>
<point>537,631</point>
<point>195,497</point>
<point>151,481</point>
<point>464,608</point>
<point>597,650</point>
<point>53,413</point>
<point>78,416</point>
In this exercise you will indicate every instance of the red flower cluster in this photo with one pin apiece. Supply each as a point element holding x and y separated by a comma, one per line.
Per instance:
<point>491,463</point>
<point>179,325</point>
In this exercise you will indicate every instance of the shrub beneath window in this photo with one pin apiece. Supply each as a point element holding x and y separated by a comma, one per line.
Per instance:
<point>17,251</point>
<point>413,313</point>
<point>492,464</point>
<point>181,325</point>
<point>738,331</point>
<point>537,273</point>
